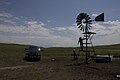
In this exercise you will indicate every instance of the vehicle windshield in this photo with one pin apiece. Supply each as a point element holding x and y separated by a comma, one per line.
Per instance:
<point>33,48</point>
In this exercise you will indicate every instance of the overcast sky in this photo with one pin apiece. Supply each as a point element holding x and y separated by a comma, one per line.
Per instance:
<point>52,23</point>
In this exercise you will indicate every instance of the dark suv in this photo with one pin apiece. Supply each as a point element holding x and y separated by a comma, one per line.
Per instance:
<point>33,52</point>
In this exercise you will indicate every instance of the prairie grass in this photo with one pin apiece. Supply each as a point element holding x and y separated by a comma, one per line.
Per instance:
<point>17,52</point>
<point>11,52</point>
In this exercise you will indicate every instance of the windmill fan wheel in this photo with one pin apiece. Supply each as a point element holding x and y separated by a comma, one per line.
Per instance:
<point>84,22</point>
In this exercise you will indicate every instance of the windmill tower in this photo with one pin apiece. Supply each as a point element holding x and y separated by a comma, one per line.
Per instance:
<point>84,23</point>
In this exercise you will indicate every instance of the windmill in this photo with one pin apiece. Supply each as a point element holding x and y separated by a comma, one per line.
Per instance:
<point>84,23</point>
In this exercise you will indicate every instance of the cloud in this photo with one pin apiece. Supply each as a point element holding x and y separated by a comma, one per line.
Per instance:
<point>4,14</point>
<point>37,33</point>
<point>102,29</point>
<point>94,15</point>
<point>59,28</point>
<point>107,32</point>
<point>9,21</point>
<point>32,22</point>
<point>33,32</point>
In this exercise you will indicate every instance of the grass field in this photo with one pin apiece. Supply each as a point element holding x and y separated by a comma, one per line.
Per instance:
<point>13,67</point>
<point>16,52</point>
<point>109,49</point>
<point>11,51</point>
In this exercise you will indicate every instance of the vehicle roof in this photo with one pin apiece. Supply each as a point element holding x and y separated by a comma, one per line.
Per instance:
<point>34,47</point>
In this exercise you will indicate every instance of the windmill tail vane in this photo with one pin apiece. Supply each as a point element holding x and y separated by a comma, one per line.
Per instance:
<point>100,17</point>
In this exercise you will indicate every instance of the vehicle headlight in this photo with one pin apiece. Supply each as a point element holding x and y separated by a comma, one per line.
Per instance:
<point>39,49</point>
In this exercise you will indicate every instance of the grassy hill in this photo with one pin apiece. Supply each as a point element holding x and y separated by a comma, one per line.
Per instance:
<point>109,49</point>
<point>11,52</point>
<point>17,50</point>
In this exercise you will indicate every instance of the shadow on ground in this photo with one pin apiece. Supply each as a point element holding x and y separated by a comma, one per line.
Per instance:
<point>31,59</point>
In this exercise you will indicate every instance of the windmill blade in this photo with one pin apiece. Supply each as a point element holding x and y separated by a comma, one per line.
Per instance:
<point>88,18</point>
<point>78,18</point>
<point>81,28</point>
<point>79,25</point>
<point>89,21</point>
<point>90,26</point>
<point>100,17</point>
<point>78,21</point>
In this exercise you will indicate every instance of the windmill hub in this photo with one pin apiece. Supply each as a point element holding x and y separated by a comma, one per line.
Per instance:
<point>83,22</point>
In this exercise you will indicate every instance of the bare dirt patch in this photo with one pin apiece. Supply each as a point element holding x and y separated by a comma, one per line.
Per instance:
<point>61,69</point>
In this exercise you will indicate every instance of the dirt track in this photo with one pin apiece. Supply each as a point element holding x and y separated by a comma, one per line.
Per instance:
<point>15,67</point>
<point>60,69</point>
